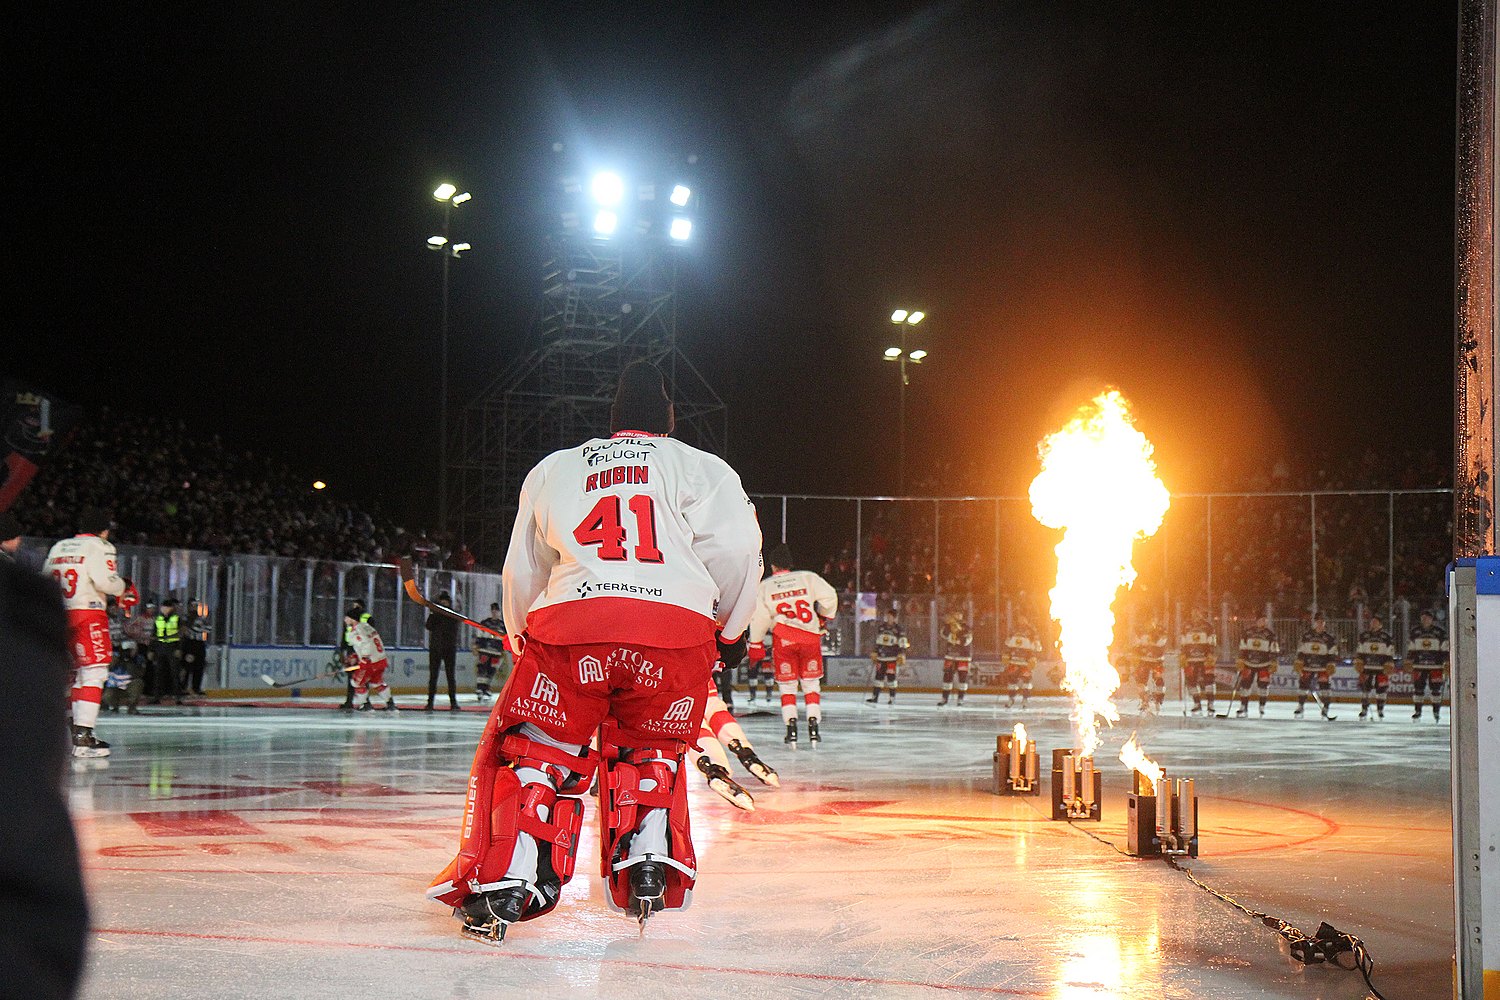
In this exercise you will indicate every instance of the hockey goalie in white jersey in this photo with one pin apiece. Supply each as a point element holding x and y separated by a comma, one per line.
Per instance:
<point>633,562</point>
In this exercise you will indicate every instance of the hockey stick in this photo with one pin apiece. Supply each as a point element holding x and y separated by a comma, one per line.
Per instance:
<point>409,581</point>
<point>1182,685</point>
<point>1321,707</point>
<point>1229,707</point>
<point>307,680</point>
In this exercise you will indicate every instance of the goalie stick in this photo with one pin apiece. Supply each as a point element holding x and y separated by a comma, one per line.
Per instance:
<point>409,581</point>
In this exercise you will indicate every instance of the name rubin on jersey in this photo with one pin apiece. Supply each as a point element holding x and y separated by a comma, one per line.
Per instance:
<point>620,475</point>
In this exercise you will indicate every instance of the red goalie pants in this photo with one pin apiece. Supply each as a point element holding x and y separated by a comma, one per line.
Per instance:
<point>568,690</point>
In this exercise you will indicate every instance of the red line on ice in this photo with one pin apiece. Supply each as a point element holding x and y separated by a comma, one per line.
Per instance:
<point>1331,827</point>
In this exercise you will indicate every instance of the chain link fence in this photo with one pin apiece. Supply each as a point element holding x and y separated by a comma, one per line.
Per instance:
<point>1231,555</point>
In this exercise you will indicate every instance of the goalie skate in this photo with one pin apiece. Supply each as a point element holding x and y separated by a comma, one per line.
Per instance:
<point>485,916</point>
<point>763,772</point>
<point>648,890</point>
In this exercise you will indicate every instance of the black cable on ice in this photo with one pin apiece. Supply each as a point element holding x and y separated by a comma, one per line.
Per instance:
<point>1327,945</point>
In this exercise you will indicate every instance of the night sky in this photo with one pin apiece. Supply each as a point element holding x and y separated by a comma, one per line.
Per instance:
<point>1242,218</point>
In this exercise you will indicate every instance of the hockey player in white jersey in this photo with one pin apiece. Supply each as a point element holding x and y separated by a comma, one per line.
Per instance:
<point>369,674</point>
<point>794,606</point>
<point>632,566</point>
<point>86,569</point>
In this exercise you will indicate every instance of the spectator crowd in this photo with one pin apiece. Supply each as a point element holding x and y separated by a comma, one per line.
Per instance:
<point>170,488</point>
<point>167,487</point>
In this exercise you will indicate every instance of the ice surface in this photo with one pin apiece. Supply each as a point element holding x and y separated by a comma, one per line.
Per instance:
<point>264,853</point>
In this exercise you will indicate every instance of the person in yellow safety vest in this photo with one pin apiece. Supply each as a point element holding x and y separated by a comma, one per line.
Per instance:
<point>346,650</point>
<point>166,653</point>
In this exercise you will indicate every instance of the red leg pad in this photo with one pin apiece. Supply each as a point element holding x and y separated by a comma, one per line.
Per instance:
<point>497,807</point>
<point>620,810</point>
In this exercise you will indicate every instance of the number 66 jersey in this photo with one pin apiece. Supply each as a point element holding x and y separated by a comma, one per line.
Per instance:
<point>637,538</point>
<point>793,599</point>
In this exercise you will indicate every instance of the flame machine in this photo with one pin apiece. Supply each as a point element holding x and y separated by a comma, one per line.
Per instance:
<point>1076,786</point>
<point>1016,765</point>
<point>1161,817</point>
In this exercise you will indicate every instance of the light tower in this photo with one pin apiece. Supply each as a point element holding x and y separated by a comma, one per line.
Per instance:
<point>607,298</point>
<point>450,197</point>
<point>904,319</point>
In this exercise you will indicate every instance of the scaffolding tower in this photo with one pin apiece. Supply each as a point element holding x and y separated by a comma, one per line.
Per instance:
<point>604,304</point>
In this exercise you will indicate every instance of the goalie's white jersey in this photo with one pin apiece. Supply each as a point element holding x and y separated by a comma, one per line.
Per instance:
<point>366,642</point>
<point>795,598</point>
<point>634,538</point>
<point>84,566</point>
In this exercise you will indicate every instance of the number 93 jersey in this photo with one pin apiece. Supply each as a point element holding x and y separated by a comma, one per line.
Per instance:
<point>636,538</point>
<point>84,566</point>
<point>796,598</point>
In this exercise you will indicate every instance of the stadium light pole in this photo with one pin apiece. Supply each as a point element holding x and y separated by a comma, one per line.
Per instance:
<point>450,197</point>
<point>904,319</point>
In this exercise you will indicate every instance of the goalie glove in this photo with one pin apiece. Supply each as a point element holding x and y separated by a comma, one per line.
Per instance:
<point>731,653</point>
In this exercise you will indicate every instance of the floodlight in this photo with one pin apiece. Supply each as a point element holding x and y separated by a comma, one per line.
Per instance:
<point>436,241</point>
<point>459,199</point>
<point>892,353</point>
<point>444,191</point>
<point>459,248</point>
<point>899,316</point>
<point>916,317</point>
<point>320,485</point>
<point>605,222</point>
<point>917,355</point>
<point>681,229</point>
<point>607,188</point>
<point>680,195</point>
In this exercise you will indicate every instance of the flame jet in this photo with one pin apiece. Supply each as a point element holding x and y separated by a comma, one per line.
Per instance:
<point>1134,757</point>
<point>1099,485</point>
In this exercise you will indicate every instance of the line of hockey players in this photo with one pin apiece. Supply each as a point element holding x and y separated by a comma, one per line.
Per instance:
<point>1317,654</point>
